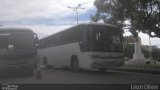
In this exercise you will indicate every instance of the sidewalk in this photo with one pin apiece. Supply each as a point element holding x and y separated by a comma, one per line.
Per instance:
<point>140,69</point>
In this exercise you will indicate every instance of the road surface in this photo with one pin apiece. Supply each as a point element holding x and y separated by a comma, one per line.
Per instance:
<point>60,76</point>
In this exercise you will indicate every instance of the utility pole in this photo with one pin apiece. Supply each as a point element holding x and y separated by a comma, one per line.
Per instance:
<point>76,9</point>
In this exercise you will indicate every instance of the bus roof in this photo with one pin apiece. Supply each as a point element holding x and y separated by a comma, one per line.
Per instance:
<point>88,24</point>
<point>84,24</point>
<point>99,24</point>
<point>15,30</point>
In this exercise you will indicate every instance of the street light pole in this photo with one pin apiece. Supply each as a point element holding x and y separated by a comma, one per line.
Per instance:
<point>76,9</point>
<point>77,15</point>
<point>2,13</point>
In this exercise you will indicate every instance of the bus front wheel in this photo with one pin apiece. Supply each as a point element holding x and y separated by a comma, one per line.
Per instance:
<point>75,64</point>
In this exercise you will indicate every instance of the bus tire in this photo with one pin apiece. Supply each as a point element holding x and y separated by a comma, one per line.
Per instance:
<point>102,69</point>
<point>75,64</point>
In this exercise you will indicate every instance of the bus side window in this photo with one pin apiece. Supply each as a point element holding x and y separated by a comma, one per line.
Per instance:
<point>75,34</point>
<point>83,39</point>
<point>72,35</point>
<point>65,37</point>
<point>57,39</point>
<point>51,41</point>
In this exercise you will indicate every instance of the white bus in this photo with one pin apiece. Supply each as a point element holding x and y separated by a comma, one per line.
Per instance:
<point>84,46</point>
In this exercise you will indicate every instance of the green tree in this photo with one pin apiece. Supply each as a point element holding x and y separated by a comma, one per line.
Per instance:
<point>143,15</point>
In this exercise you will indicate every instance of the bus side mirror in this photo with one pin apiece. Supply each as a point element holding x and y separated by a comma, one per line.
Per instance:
<point>10,47</point>
<point>81,43</point>
<point>36,39</point>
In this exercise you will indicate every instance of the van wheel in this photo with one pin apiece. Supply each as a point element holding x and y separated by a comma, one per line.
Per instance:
<point>102,69</point>
<point>75,64</point>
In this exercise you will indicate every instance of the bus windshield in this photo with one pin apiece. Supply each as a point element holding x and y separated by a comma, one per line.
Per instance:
<point>24,43</point>
<point>106,39</point>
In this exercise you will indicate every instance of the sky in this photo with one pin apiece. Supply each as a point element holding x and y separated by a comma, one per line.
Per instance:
<point>46,17</point>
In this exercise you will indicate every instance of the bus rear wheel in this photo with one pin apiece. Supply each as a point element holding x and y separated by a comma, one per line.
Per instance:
<point>75,64</point>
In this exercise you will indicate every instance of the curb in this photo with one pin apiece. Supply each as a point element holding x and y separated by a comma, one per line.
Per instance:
<point>136,70</point>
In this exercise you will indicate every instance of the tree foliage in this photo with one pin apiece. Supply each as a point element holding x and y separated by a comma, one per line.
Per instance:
<point>142,15</point>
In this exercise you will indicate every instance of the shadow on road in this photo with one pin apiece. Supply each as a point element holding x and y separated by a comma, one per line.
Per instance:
<point>93,72</point>
<point>14,74</point>
<point>96,72</point>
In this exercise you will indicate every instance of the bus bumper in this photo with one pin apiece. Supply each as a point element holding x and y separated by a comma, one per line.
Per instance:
<point>17,67</point>
<point>97,65</point>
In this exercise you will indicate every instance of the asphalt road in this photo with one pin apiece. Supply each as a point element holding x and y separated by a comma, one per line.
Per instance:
<point>60,76</point>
